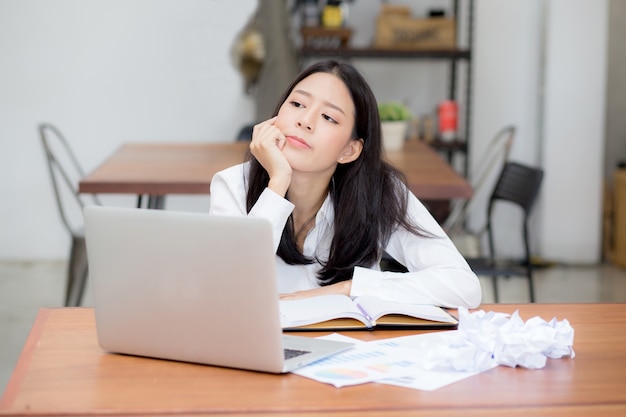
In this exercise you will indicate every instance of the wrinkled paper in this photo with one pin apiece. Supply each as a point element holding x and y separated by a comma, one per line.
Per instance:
<point>487,339</point>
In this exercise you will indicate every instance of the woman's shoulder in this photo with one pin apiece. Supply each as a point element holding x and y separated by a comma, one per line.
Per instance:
<point>233,177</point>
<point>234,171</point>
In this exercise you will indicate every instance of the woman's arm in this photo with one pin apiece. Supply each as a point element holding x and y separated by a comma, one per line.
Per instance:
<point>228,198</point>
<point>338,288</point>
<point>438,273</point>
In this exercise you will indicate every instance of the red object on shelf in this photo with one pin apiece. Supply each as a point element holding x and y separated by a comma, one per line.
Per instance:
<point>448,120</point>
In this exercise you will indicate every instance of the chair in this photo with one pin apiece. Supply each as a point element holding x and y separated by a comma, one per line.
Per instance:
<point>65,173</point>
<point>497,154</point>
<point>465,240</point>
<point>518,184</point>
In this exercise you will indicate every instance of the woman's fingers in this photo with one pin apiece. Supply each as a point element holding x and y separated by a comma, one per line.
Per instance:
<point>266,134</point>
<point>267,144</point>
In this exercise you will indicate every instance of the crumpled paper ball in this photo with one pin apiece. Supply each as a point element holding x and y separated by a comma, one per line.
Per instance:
<point>487,339</point>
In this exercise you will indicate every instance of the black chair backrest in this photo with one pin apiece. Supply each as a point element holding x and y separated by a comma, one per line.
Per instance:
<point>493,159</point>
<point>518,184</point>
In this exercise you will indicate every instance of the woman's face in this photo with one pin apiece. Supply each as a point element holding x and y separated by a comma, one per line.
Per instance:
<point>317,120</point>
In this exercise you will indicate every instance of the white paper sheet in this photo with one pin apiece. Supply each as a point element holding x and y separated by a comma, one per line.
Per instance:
<point>365,362</point>
<point>433,360</point>
<point>398,361</point>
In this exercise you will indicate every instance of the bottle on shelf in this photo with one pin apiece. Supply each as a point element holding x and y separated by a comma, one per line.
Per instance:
<point>333,14</point>
<point>447,115</point>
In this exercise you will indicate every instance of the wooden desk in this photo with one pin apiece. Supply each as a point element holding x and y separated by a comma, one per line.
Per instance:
<point>187,168</point>
<point>159,169</point>
<point>62,371</point>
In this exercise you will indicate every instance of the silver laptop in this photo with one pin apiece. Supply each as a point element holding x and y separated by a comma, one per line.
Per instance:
<point>191,287</point>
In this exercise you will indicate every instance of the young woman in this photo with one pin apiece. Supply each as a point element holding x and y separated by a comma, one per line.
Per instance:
<point>316,172</point>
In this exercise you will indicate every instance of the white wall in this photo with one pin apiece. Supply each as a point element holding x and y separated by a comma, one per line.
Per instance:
<point>506,75</point>
<point>109,71</point>
<point>105,72</point>
<point>615,151</point>
<point>541,65</point>
<point>574,130</point>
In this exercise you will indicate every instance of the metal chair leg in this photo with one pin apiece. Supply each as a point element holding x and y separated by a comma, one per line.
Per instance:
<point>494,281</point>
<point>531,287</point>
<point>77,272</point>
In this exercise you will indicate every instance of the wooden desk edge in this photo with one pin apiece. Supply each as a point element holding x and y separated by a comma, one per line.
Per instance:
<point>87,186</point>
<point>21,370</point>
<point>24,359</point>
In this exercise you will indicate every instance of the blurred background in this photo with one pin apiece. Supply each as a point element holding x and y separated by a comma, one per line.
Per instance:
<point>107,72</point>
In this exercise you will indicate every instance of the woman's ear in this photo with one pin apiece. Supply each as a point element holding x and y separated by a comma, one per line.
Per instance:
<point>351,152</point>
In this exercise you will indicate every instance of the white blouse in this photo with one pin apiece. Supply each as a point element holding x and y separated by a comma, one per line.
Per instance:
<point>438,273</point>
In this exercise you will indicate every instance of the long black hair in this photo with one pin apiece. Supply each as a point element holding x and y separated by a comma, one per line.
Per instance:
<point>368,194</point>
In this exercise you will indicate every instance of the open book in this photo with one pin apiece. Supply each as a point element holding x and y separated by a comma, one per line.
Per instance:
<point>339,312</point>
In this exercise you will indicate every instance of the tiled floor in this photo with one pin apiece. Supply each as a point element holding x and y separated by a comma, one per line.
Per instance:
<point>27,286</point>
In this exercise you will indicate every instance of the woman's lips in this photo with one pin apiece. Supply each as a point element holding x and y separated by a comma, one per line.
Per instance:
<point>297,142</point>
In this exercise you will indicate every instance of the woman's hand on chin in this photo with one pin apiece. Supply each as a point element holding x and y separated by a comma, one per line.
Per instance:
<point>267,147</point>
<point>339,288</point>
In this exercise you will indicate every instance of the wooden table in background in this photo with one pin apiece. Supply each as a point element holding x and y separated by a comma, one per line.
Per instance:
<point>159,169</point>
<point>62,371</point>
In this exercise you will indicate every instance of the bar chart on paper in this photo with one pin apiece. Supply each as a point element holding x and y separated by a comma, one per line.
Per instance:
<point>366,363</point>
<point>398,361</point>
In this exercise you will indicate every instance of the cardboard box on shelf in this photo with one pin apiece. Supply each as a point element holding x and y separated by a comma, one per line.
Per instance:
<point>320,37</point>
<point>396,29</point>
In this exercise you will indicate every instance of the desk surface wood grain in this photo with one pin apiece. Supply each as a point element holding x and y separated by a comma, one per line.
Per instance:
<point>63,371</point>
<point>187,168</point>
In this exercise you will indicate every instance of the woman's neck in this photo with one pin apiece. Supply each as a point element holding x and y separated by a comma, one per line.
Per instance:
<point>307,195</point>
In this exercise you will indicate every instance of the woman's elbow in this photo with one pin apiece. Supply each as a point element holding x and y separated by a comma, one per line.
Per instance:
<point>473,293</point>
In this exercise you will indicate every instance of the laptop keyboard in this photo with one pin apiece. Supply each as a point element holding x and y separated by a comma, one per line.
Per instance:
<point>292,353</point>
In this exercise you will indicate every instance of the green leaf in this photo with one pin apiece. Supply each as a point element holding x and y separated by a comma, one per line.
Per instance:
<point>392,111</point>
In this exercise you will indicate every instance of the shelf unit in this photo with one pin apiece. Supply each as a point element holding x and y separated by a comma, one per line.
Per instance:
<point>453,56</point>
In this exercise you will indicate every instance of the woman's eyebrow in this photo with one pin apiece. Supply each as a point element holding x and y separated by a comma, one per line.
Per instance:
<point>327,103</point>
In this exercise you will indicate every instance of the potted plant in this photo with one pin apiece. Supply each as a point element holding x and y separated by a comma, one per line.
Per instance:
<point>394,118</point>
